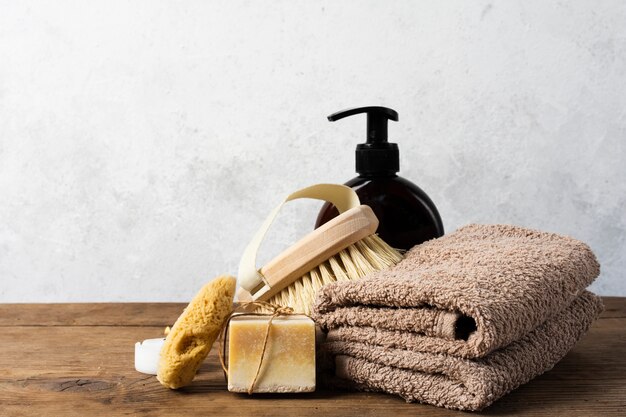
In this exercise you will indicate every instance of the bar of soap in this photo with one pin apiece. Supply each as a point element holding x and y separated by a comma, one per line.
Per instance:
<point>289,361</point>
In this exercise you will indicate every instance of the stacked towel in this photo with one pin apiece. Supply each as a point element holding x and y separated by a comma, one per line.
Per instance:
<point>463,319</point>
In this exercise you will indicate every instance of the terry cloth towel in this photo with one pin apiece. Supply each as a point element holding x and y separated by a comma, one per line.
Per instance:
<point>465,294</point>
<point>453,382</point>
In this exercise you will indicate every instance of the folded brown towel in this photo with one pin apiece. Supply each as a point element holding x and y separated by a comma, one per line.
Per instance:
<point>465,294</point>
<point>453,382</point>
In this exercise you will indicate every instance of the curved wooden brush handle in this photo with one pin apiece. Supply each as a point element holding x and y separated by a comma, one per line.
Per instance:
<point>312,250</point>
<point>319,245</point>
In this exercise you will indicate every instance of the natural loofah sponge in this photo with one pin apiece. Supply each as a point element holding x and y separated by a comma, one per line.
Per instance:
<point>191,337</point>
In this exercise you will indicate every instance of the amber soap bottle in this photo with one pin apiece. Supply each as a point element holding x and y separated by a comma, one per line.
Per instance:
<point>406,214</point>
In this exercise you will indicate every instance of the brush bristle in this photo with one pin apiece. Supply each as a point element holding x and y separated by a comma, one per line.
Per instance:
<point>363,257</point>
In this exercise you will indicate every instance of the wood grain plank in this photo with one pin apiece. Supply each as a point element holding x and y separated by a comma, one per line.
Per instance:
<point>77,365</point>
<point>614,307</point>
<point>143,314</point>
<point>79,370</point>
<point>90,314</point>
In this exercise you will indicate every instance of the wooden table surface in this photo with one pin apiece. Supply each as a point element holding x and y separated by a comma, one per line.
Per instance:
<point>77,360</point>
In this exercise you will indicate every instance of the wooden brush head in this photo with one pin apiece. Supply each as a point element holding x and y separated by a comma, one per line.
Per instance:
<point>311,251</point>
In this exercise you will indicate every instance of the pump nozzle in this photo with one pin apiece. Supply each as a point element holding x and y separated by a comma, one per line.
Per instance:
<point>376,120</point>
<point>376,156</point>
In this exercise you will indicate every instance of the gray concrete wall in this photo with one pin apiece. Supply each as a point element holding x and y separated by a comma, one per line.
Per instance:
<point>142,143</point>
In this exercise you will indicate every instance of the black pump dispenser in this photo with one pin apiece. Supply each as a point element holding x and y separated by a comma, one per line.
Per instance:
<point>406,215</point>
<point>376,156</point>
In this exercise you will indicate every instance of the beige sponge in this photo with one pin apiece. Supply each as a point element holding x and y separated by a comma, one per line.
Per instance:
<point>195,331</point>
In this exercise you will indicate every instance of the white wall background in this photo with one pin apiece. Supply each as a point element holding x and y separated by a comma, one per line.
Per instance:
<point>142,143</point>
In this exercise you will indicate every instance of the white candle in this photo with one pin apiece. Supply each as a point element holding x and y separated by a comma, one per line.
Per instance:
<point>147,355</point>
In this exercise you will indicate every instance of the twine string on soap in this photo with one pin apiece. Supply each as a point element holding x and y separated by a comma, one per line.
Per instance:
<point>276,311</point>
